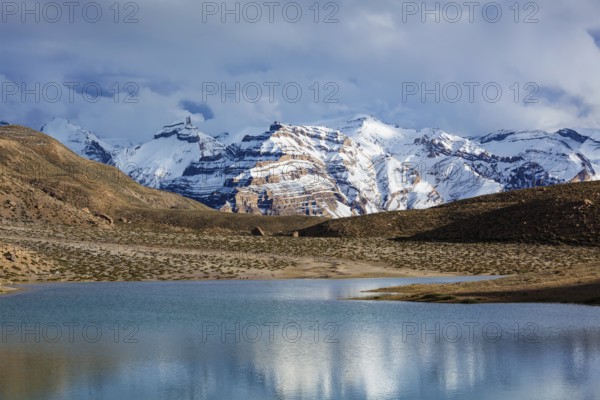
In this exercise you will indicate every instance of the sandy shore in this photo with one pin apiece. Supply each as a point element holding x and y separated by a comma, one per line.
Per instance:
<point>7,289</point>
<point>580,284</point>
<point>310,269</point>
<point>305,268</point>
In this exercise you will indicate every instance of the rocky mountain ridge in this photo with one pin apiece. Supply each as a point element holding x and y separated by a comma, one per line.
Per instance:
<point>355,167</point>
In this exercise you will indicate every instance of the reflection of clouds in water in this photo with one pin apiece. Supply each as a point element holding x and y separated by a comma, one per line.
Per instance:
<point>295,368</point>
<point>366,364</point>
<point>375,366</point>
<point>371,361</point>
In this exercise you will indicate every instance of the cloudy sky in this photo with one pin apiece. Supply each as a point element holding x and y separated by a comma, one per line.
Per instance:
<point>125,71</point>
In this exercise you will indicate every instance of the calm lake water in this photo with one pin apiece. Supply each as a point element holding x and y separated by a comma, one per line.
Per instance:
<point>287,340</point>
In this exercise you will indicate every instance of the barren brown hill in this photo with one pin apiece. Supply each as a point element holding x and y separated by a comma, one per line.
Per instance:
<point>43,181</point>
<point>563,214</point>
<point>567,214</point>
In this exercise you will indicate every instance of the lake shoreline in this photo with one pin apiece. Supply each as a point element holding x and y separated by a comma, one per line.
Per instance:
<point>576,285</point>
<point>4,290</point>
<point>576,289</point>
<point>580,285</point>
<point>13,288</point>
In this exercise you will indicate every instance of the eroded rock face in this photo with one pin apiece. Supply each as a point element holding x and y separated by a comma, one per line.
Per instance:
<point>285,171</point>
<point>107,219</point>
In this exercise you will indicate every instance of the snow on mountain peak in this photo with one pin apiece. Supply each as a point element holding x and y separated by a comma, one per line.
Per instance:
<point>169,154</point>
<point>183,130</point>
<point>80,141</point>
<point>63,130</point>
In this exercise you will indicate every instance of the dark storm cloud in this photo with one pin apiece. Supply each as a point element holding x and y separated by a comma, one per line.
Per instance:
<point>163,88</point>
<point>197,108</point>
<point>595,34</point>
<point>560,98</point>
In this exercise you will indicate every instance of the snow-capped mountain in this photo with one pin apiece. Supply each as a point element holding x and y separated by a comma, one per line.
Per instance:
<point>167,157</point>
<point>355,167</point>
<point>80,141</point>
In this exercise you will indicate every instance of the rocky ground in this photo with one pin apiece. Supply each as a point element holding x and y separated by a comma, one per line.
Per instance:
<point>132,252</point>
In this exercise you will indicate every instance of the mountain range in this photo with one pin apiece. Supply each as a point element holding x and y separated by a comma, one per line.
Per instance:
<point>343,168</point>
